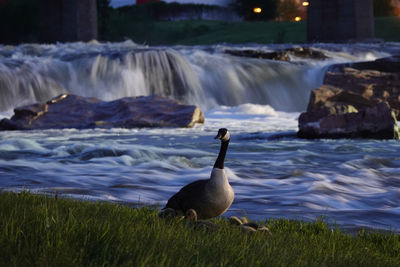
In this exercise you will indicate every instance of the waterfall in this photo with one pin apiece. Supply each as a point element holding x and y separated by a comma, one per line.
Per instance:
<point>204,77</point>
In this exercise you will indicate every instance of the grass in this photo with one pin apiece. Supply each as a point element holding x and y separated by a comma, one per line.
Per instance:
<point>45,231</point>
<point>201,32</point>
<point>388,28</point>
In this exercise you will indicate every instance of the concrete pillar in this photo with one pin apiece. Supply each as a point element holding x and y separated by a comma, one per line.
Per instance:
<point>67,20</point>
<point>340,20</point>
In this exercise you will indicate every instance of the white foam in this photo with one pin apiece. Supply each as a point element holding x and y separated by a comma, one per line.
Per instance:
<point>21,145</point>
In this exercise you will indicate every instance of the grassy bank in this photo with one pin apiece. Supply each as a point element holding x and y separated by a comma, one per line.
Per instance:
<point>38,230</point>
<point>388,28</point>
<point>199,32</point>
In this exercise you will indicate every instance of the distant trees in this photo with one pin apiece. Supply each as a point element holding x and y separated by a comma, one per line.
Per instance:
<point>245,8</point>
<point>288,9</point>
<point>383,8</point>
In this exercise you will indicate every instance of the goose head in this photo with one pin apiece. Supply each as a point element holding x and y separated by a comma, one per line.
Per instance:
<point>223,135</point>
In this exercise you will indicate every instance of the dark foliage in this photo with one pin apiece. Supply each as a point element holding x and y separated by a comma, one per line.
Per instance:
<point>162,10</point>
<point>245,8</point>
<point>383,8</point>
<point>18,20</point>
<point>288,9</point>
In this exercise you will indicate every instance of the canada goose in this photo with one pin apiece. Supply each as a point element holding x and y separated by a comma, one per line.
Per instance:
<point>209,198</point>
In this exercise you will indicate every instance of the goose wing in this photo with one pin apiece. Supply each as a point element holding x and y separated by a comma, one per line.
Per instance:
<point>189,197</point>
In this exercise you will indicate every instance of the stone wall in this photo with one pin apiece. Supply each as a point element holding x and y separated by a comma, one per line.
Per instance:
<point>340,20</point>
<point>67,20</point>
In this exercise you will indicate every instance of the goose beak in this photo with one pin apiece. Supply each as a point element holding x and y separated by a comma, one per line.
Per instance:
<point>218,136</point>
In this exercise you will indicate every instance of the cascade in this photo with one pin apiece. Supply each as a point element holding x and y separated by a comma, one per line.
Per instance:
<point>191,75</point>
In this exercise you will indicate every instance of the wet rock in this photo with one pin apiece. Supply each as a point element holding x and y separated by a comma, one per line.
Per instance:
<point>387,64</point>
<point>372,81</point>
<point>281,55</point>
<point>71,111</point>
<point>377,122</point>
<point>355,102</point>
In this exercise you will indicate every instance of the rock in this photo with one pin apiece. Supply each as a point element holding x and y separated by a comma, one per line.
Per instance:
<point>281,55</point>
<point>387,64</point>
<point>355,103</point>
<point>375,81</point>
<point>377,122</point>
<point>71,111</point>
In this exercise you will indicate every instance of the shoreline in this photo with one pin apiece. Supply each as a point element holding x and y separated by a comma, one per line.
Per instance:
<point>43,230</point>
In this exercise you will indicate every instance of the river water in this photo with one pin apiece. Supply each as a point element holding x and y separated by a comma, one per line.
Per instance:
<point>351,183</point>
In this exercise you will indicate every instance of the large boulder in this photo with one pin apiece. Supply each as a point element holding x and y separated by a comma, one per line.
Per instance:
<point>72,111</point>
<point>345,121</point>
<point>356,100</point>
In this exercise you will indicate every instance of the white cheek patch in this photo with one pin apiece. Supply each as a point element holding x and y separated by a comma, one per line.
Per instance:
<point>226,137</point>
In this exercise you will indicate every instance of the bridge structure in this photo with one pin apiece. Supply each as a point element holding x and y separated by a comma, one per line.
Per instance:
<point>67,20</point>
<point>340,20</point>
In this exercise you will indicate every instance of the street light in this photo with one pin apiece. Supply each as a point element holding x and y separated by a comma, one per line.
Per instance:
<point>257,10</point>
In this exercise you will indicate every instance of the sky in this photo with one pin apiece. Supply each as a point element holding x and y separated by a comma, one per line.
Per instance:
<point>117,3</point>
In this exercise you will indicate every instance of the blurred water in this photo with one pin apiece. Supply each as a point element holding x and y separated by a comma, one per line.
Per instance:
<point>354,183</point>
<point>205,76</point>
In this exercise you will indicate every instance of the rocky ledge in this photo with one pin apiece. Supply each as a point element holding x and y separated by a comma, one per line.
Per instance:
<point>72,111</point>
<point>280,55</point>
<point>360,100</point>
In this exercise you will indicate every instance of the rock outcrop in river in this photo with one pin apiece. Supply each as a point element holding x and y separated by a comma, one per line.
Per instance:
<point>360,100</point>
<point>281,55</point>
<point>71,111</point>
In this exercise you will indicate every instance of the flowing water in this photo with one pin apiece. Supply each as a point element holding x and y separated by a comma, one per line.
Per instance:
<point>353,183</point>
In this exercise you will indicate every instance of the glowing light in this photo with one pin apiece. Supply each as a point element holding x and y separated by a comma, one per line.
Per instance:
<point>297,18</point>
<point>257,10</point>
<point>306,3</point>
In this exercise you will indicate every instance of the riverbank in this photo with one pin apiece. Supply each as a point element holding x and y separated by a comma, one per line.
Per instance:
<point>204,32</point>
<point>51,231</point>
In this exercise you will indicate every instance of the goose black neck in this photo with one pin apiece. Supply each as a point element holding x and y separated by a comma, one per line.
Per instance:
<point>219,163</point>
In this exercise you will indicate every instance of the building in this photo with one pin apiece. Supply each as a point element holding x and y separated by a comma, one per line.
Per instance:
<point>67,20</point>
<point>340,20</point>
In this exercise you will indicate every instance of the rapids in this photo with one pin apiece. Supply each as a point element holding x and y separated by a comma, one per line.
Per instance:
<point>353,183</point>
